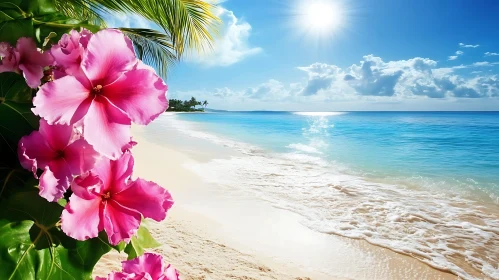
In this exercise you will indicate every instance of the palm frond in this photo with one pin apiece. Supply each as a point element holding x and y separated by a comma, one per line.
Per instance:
<point>153,47</point>
<point>80,10</point>
<point>185,24</point>
<point>189,23</point>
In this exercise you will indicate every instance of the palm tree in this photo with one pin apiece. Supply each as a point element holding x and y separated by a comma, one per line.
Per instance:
<point>184,24</point>
<point>193,102</point>
<point>205,103</point>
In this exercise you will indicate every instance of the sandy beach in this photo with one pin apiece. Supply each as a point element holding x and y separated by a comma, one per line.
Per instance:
<point>209,234</point>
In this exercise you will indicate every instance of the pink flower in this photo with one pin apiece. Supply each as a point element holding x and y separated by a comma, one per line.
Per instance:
<point>106,198</point>
<point>69,50</point>
<point>148,266</point>
<point>60,152</point>
<point>31,61</point>
<point>8,61</point>
<point>108,94</point>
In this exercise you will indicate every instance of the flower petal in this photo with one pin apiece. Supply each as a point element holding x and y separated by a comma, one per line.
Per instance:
<point>109,54</point>
<point>80,218</point>
<point>55,180</point>
<point>122,170</point>
<point>148,262</point>
<point>70,61</point>
<point>87,186</point>
<point>34,152</point>
<point>123,276</point>
<point>120,223</point>
<point>31,61</point>
<point>140,93</point>
<point>63,101</point>
<point>171,273</point>
<point>80,156</point>
<point>128,146</point>
<point>142,65</point>
<point>8,61</point>
<point>106,128</point>
<point>27,50</point>
<point>32,73</point>
<point>57,136</point>
<point>147,198</point>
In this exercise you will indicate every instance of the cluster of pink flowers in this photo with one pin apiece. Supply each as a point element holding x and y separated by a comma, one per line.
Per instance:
<point>148,267</point>
<point>96,90</point>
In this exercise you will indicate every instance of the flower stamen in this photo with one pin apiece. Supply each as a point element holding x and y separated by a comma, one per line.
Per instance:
<point>97,89</point>
<point>106,196</point>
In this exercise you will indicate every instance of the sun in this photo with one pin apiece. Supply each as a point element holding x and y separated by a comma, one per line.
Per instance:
<point>322,15</point>
<point>319,20</point>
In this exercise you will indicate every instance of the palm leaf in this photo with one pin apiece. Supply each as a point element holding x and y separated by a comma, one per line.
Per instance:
<point>153,47</point>
<point>80,10</point>
<point>185,24</point>
<point>189,23</point>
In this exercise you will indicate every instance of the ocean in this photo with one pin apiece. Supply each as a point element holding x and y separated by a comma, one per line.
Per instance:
<point>425,184</point>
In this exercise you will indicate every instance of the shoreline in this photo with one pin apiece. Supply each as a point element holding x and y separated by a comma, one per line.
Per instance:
<point>207,239</point>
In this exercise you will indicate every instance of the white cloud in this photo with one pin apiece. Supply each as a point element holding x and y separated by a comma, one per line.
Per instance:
<point>370,84</point>
<point>454,57</point>
<point>491,54</point>
<point>270,90</point>
<point>481,63</point>
<point>232,44</point>
<point>462,45</point>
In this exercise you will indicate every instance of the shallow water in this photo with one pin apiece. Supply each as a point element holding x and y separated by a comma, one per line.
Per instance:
<point>423,184</point>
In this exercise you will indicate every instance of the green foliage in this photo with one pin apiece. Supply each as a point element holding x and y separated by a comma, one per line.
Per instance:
<point>176,105</point>
<point>182,24</point>
<point>16,119</point>
<point>143,240</point>
<point>36,19</point>
<point>32,246</point>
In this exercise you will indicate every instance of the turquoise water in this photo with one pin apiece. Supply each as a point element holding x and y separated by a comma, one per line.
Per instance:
<point>425,184</point>
<point>458,147</point>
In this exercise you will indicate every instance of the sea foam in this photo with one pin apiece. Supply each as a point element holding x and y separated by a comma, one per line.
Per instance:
<point>443,229</point>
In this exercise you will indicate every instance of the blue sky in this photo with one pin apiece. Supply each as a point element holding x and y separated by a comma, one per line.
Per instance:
<point>382,55</point>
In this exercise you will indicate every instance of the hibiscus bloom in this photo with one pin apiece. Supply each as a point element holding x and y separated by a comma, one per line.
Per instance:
<point>60,152</point>
<point>148,266</point>
<point>108,94</point>
<point>69,50</point>
<point>8,61</point>
<point>105,198</point>
<point>28,58</point>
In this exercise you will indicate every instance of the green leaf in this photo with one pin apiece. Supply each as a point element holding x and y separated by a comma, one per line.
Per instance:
<point>141,241</point>
<point>33,247</point>
<point>16,118</point>
<point>12,30</point>
<point>47,39</point>
<point>187,23</point>
<point>58,24</point>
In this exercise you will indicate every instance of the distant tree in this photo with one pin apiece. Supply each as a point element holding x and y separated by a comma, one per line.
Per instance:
<point>193,102</point>
<point>205,103</point>
<point>176,105</point>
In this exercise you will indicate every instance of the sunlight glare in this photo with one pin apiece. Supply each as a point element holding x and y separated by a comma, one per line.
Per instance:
<point>320,20</point>
<point>322,15</point>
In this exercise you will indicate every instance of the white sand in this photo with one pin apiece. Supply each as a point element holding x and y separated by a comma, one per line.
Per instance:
<point>208,236</point>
